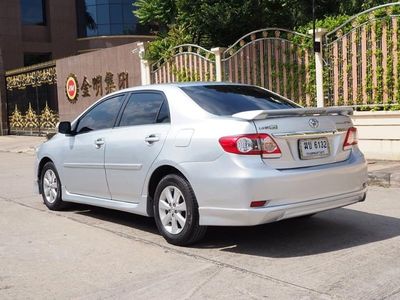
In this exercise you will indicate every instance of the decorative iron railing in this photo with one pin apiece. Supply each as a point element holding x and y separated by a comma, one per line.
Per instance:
<point>185,63</point>
<point>274,58</point>
<point>362,59</point>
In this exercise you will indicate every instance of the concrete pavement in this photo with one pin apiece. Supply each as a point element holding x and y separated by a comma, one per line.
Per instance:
<point>93,253</point>
<point>19,143</point>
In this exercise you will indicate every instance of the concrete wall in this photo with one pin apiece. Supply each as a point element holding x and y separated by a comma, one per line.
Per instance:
<point>115,60</point>
<point>57,37</point>
<point>379,134</point>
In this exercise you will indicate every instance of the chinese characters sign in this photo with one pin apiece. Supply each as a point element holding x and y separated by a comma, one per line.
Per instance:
<point>97,86</point>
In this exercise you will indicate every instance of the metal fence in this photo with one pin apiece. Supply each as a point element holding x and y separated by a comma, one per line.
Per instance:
<point>185,63</point>
<point>274,58</point>
<point>32,106</point>
<point>362,58</point>
<point>361,62</point>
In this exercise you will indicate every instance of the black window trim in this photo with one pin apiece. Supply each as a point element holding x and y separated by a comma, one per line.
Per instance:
<point>124,100</point>
<point>159,110</point>
<point>118,123</point>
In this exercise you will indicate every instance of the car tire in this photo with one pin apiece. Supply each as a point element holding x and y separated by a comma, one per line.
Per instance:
<point>51,187</point>
<point>176,211</point>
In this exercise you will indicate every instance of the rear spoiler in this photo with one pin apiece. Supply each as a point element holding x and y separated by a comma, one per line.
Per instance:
<point>293,112</point>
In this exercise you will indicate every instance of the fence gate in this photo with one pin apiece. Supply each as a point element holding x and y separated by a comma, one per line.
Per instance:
<point>32,105</point>
<point>277,59</point>
<point>362,59</point>
<point>185,63</point>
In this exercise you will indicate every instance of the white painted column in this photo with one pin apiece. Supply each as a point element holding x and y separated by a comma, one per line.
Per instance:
<point>218,62</point>
<point>144,65</point>
<point>319,66</point>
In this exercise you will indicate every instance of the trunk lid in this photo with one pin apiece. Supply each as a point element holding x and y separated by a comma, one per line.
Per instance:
<point>306,137</point>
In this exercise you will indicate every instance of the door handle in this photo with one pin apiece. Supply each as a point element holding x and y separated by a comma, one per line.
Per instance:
<point>99,142</point>
<point>152,138</point>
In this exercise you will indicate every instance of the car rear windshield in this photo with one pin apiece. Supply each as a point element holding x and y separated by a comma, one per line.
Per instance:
<point>223,100</point>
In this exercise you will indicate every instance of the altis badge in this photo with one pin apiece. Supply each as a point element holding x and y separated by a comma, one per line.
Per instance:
<point>270,127</point>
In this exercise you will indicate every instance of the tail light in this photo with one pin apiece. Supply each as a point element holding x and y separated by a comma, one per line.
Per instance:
<point>251,144</point>
<point>351,138</point>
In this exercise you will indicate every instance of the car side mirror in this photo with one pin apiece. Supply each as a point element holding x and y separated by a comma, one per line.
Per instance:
<point>64,128</point>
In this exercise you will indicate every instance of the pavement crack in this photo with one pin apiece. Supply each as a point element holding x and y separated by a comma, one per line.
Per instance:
<point>394,293</point>
<point>247,294</point>
<point>201,284</point>
<point>177,251</point>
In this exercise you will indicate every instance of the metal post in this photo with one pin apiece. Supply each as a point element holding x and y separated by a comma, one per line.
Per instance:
<point>218,62</point>
<point>319,65</point>
<point>144,65</point>
<point>3,99</point>
<point>37,104</point>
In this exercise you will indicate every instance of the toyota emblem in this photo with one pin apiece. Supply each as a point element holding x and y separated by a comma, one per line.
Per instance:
<point>313,123</point>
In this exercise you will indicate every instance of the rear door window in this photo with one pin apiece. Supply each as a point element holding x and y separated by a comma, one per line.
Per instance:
<point>145,108</point>
<point>224,100</point>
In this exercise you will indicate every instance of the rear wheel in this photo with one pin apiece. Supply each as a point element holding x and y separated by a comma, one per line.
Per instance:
<point>176,211</point>
<point>51,187</point>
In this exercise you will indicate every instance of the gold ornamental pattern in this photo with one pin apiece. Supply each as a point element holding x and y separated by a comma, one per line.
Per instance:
<point>34,78</point>
<point>30,120</point>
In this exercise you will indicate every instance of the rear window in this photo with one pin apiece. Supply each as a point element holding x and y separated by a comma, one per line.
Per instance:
<point>223,100</point>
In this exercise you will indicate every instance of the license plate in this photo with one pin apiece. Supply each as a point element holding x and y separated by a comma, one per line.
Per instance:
<point>313,148</point>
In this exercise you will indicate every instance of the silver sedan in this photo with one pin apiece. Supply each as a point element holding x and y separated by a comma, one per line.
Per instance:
<point>201,154</point>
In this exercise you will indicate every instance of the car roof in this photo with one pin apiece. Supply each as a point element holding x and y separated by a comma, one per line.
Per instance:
<point>170,86</point>
<point>166,87</point>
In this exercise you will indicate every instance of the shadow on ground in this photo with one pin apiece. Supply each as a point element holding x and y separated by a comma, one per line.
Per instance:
<point>122,218</point>
<point>325,232</point>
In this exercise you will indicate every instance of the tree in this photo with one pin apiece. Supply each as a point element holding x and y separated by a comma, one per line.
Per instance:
<point>208,22</point>
<point>352,7</point>
<point>220,22</point>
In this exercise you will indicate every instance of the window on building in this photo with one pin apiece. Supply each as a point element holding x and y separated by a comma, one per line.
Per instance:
<point>33,12</point>
<point>108,17</point>
<point>36,58</point>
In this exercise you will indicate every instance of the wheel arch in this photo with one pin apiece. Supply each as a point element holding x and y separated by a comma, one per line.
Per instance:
<point>42,162</point>
<point>155,178</point>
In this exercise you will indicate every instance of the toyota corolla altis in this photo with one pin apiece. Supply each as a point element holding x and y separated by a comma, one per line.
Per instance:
<point>203,154</point>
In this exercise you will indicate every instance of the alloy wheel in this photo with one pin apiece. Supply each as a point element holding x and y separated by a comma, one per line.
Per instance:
<point>172,209</point>
<point>50,186</point>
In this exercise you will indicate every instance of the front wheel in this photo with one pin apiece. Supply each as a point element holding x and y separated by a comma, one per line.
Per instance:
<point>176,211</point>
<point>51,187</point>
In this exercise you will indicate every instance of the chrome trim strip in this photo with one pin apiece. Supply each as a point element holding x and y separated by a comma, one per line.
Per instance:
<point>123,166</point>
<point>102,166</point>
<point>308,133</point>
<point>84,165</point>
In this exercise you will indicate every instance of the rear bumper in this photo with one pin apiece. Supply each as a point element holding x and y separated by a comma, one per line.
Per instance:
<point>225,188</point>
<point>256,216</point>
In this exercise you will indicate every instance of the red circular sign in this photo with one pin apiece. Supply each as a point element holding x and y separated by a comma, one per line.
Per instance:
<point>71,88</point>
